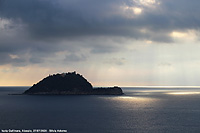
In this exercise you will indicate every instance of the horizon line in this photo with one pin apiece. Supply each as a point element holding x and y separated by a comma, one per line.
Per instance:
<point>149,86</point>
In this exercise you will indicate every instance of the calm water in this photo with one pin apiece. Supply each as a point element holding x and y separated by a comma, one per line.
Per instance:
<point>139,110</point>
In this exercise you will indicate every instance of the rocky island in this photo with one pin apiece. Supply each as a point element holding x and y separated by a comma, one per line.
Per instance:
<point>69,84</point>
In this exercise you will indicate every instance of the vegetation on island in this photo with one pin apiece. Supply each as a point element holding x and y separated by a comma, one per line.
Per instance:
<point>69,83</point>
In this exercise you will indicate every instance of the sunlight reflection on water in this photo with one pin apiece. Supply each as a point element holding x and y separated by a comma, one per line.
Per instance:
<point>183,93</point>
<point>138,110</point>
<point>164,91</point>
<point>136,99</point>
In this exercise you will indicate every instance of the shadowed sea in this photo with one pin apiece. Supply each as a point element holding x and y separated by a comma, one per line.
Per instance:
<point>141,109</point>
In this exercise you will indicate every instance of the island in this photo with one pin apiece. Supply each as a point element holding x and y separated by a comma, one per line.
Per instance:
<point>70,83</point>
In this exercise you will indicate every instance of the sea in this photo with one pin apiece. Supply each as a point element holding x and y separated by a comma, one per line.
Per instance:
<point>139,110</point>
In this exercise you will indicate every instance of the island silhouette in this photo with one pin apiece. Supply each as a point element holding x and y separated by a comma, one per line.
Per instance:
<point>70,83</point>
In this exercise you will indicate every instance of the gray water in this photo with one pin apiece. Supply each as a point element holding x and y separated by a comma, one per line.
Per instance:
<point>139,110</point>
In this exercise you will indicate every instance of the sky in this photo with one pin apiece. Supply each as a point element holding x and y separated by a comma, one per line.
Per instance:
<point>109,42</point>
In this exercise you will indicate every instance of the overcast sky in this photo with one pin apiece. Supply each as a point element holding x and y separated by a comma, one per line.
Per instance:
<point>110,42</point>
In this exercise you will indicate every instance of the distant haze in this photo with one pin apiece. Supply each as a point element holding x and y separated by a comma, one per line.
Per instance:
<point>109,42</point>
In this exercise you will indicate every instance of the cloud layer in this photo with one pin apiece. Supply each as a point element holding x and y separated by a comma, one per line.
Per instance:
<point>67,32</point>
<point>39,28</point>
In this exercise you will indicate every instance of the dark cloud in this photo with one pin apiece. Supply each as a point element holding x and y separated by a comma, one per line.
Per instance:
<point>4,58</point>
<point>50,18</point>
<point>47,18</point>
<point>13,59</point>
<point>58,18</point>
<point>35,29</point>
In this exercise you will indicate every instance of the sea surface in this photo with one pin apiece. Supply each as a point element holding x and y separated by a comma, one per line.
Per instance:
<point>140,109</point>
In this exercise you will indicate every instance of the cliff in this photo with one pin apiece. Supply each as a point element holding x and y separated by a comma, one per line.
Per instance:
<point>69,84</point>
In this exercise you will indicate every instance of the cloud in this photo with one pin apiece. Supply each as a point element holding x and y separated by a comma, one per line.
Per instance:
<point>57,19</point>
<point>99,49</point>
<point>116,61</point>
<point>35,30</point>
<point>75,58</point>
